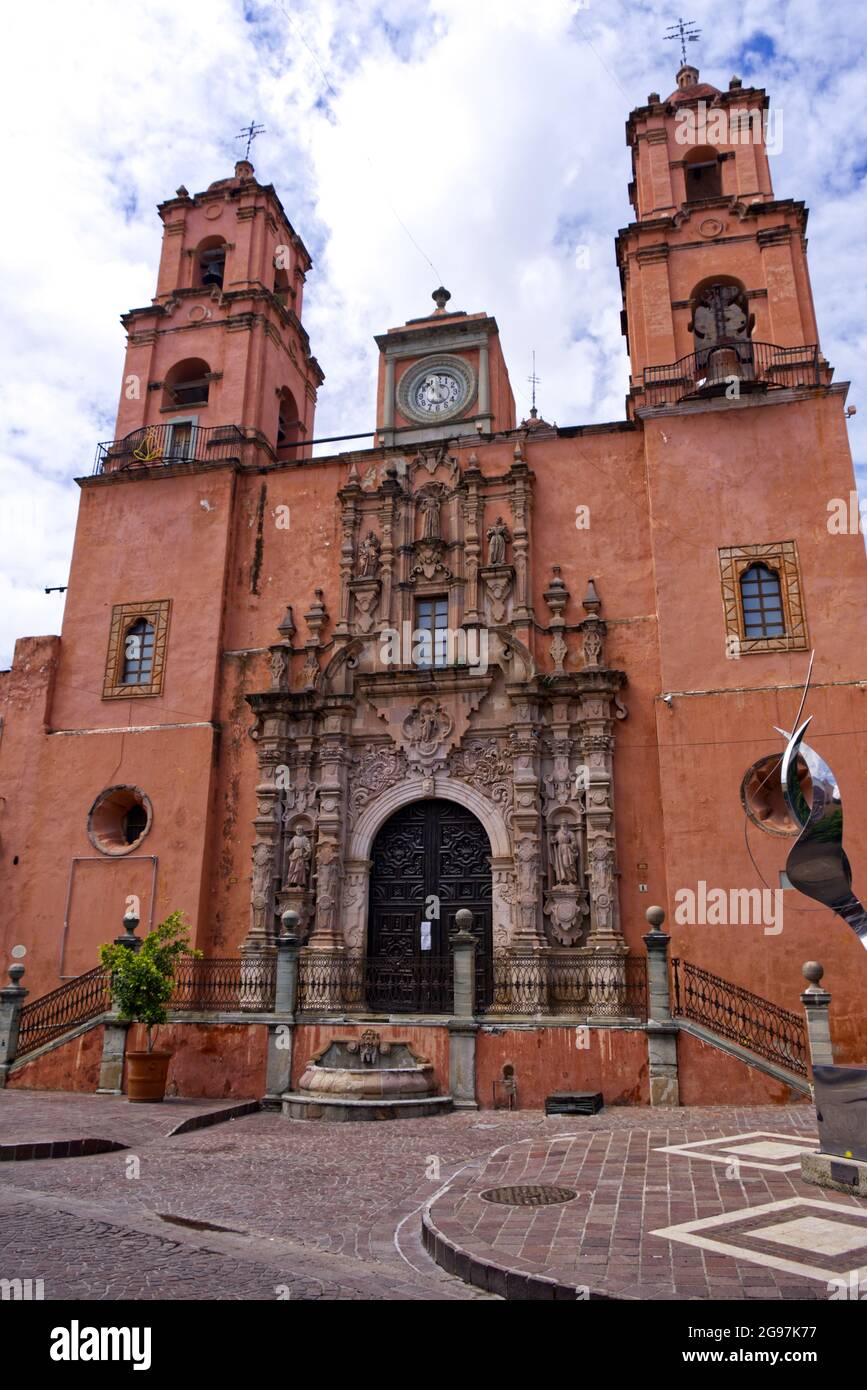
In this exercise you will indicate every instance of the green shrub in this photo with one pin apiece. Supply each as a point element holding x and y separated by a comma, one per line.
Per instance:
<point>142,981</point>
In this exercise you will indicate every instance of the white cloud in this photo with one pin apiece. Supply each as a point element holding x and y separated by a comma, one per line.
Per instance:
<point>492,129</point>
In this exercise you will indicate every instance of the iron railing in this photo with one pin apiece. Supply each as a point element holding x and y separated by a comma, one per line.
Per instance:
<point>600,985</point>
<point>531,983</point>
<point>735,1013</point>
<point>71,1004</point>
<point>329,981</point>
<point>169,443</point>
<point>216,984</point>
<point>225,984</point>
<point>757,366</point>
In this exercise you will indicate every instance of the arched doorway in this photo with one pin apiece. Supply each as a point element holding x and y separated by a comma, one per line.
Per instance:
<point>430,859</point>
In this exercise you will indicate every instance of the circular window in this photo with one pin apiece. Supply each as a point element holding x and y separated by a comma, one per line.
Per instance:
<point>119,819</point>
<point>762,795</point>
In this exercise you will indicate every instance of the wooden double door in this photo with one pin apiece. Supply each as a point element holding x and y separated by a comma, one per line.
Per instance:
<point>429,860</point>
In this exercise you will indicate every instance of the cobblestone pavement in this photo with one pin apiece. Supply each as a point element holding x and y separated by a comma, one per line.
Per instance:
<point>317,1211</point>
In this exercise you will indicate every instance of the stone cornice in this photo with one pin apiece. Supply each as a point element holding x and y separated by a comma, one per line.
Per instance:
<point>404,342</point>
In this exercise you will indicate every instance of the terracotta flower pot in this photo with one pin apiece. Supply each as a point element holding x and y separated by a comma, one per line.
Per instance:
<point>146,1075</point>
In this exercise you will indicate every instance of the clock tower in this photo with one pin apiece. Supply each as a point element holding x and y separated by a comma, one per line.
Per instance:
<point>442,376</point>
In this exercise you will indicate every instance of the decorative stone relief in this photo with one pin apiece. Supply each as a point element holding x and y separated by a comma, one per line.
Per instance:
<point>497,583</point>
<point>426,727</point>
<point>377,769</point>
<point>279,668</point>
<point>487,767</point>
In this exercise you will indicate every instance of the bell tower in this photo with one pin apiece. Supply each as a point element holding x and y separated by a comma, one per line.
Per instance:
<point>442,376</point>
<point>221,348</point>
<point>713,270</point>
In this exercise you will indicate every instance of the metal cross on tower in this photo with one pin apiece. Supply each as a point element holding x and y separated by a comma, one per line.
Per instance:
<point>249,134</point>
<point>534,381</point>
<point>684,30</point>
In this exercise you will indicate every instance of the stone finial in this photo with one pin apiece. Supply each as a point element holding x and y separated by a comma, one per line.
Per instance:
<point>591,602</point>
<point>656,918</point>
<point>813,972</point>
<point>441,298</point>
<point>15,972</point>
<point>287,627</point>
<point>464,923</point>
<point>290,922</point>
<point>244,169</point>
<point>182,192</point>
<point>317,616</point>
<point>653,99</point>
<point>556,593</point>
<point>129,938</point>
<point>735,84</point>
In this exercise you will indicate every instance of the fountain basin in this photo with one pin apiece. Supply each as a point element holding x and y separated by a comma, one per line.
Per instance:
<point>364,1078</point>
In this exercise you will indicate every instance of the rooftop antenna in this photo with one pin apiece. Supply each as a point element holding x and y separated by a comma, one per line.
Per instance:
<point>686,31</point>
<point>249,133</point>
<point>534,381</point>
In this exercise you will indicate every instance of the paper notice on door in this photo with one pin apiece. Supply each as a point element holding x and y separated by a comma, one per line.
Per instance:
<point>425,936</point>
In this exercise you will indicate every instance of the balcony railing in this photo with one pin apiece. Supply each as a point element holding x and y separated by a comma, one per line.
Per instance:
<point>180,442</point>
<point>712,372</point>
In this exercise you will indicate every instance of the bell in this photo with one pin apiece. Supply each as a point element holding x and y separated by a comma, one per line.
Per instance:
<point>212,272</point>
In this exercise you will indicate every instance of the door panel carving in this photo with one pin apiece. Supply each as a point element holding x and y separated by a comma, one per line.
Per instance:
<point>431,848</point>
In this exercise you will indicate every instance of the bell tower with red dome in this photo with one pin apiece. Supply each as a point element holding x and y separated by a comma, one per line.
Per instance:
<point>714,260</point>
<point>221,347</point>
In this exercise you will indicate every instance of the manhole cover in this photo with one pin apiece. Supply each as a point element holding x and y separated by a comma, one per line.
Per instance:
<point>529,1196</point>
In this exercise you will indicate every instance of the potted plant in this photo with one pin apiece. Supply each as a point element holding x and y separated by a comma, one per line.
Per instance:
<point>142,984</point>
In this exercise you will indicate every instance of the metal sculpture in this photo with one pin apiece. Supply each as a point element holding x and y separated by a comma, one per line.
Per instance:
<point>817,864</point>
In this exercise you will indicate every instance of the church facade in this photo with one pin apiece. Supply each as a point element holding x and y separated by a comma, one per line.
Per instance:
<point>528,670</point>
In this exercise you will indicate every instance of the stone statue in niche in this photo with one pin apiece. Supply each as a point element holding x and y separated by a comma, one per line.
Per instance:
<point>564,849</point>
<point>298,866</point>
<point>429,506</point>
<point>498,535</point>
<point>261,885</point>
<point>526,866</point>
<point>369,556</point>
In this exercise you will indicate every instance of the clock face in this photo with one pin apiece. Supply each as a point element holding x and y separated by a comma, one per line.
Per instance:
<point>437,389</point>
<point>438,393</point>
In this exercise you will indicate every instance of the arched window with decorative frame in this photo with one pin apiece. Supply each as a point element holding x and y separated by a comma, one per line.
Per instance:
<point>763,598</point>
<point>138,653</point>
<point>135,661</point>
<point>762,603</point>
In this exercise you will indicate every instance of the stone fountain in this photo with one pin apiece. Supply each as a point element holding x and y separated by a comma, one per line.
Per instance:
<point>365,1078</point>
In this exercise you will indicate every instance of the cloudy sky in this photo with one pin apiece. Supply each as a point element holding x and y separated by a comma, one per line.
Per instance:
<point>475,142</point>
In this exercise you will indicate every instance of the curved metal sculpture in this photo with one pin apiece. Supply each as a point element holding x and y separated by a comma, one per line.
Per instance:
<point>817,864</point>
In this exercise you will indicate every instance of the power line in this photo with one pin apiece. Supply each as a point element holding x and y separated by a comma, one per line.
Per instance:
<point>298,32</point>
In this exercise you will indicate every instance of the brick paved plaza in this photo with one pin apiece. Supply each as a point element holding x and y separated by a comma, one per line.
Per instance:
<point>258,1207</point>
